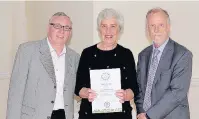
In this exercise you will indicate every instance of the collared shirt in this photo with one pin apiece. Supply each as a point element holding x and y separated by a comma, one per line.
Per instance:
<point>59,68</point>
<point>161,49</point>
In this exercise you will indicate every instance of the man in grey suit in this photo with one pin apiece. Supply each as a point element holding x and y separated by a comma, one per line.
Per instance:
<point>44,75</point>
<point>164,72</point>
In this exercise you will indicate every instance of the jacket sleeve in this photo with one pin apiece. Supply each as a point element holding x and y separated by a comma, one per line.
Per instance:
<point>17,84</point>
<point>132,80</point>
<point>139,98</point>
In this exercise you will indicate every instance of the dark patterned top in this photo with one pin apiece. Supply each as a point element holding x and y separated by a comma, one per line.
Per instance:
<point>94,58</point>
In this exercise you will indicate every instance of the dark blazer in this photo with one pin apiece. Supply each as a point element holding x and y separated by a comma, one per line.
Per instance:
<point>171,83</point>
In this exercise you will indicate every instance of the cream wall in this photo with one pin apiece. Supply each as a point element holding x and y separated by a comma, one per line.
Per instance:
<point>10,38</point>
<point>38,14</point>
<point>6,37</point>
<point>27,21</point>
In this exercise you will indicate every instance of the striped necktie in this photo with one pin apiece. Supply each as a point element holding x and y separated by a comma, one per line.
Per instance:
<point>151,76</point>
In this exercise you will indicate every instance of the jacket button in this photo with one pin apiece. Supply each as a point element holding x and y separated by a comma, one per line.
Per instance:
<point>52,102</point>
<point>54,87</point>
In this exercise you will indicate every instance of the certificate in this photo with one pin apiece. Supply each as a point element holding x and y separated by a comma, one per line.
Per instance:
<point>105,82</point>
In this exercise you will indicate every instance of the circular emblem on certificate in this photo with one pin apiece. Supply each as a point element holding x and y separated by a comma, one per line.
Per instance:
<point>105,76</point>
<point>107,104</point>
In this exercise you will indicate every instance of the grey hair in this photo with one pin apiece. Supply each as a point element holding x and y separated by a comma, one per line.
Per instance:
<point>156,10</point>
<point>59,14</point>
<point>111,13</point>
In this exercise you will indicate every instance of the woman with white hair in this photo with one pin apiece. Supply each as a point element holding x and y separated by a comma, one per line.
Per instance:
<point>107,54</point>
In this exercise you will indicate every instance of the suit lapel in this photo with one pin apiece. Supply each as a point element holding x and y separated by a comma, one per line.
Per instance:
<point>46,60</point>
<point>165,60</point>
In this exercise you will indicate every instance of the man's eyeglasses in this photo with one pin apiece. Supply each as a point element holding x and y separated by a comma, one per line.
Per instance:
<point>58,26</point>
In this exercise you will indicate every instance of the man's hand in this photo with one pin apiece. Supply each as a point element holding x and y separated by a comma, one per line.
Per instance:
<point>141,116</point>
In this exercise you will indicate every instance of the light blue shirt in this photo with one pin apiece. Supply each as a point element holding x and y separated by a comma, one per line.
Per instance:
<point>161,49</point>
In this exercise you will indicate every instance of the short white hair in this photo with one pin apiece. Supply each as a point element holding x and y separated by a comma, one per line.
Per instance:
<point>111,13</point>
<point>59,14</point>
<point>156,10</point>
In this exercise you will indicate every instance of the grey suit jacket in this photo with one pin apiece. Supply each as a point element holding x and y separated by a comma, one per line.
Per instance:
<point>33,85</point>
<point>171,83</point>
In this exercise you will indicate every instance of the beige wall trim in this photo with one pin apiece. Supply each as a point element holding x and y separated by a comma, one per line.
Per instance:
<point>4,75</point>
<point>195,82</point>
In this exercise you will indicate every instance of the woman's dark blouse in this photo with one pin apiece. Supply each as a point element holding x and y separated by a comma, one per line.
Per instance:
<point>94,58</point>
